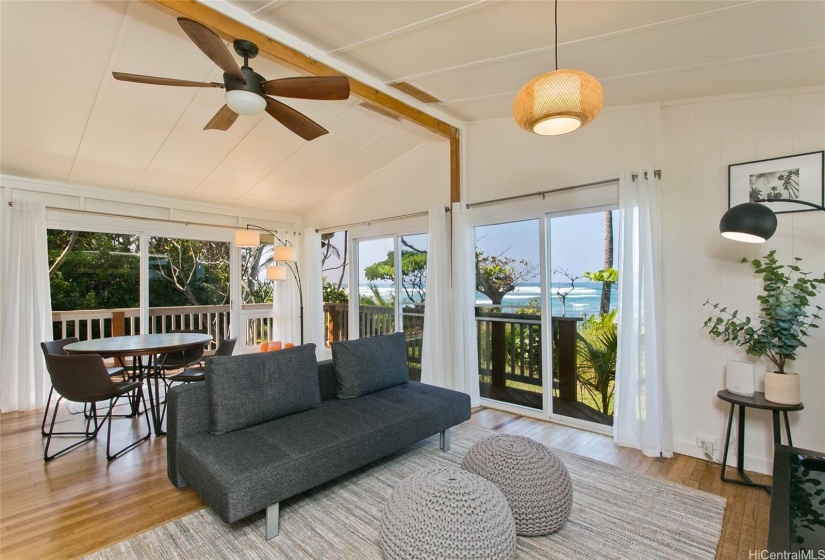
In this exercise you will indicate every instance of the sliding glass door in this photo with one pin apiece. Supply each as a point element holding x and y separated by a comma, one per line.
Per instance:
<point>391,290</point>
<point>546,314</point>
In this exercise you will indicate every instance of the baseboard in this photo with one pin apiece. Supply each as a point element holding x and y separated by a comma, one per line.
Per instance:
<point>752,463</point>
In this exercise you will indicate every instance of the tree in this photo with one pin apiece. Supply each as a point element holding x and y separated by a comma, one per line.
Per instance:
<point>562,293</point>
<point>197,270</point>
<point>598,345</point>
<point>328,250</point>
<point>413,273</point>
<point>610,279</point>
<point>497,276</point>
<point>254,288</point>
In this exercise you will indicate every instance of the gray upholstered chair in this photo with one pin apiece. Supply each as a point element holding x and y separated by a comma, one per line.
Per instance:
<point>84,378</point>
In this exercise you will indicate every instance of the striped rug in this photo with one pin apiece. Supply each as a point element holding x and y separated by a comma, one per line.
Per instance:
<point>617,513</point>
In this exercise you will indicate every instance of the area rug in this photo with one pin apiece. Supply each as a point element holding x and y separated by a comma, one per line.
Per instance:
<point>617,513</point>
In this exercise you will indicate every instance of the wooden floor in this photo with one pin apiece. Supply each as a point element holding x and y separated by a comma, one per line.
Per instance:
<point>79,503</point>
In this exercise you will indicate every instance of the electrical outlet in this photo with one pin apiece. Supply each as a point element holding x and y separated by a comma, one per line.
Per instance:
<point>707,444</point>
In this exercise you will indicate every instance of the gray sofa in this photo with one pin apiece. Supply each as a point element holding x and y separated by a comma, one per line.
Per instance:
<point>265,427</point>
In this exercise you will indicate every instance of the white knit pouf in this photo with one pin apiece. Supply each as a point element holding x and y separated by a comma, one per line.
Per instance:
<point>447,513</point>
<point>533,479</point>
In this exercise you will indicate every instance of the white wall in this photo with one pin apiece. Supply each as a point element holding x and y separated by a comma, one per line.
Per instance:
<point>410,184</point>
<point>700,140</point>
<point>693,142</point>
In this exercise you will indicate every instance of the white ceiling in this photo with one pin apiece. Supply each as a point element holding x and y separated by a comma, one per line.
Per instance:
<point>64,118</point>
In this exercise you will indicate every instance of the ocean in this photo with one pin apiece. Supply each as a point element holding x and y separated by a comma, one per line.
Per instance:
<point>584,300</point>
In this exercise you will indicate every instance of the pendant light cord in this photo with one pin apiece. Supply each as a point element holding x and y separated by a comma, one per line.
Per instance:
<point>556,29</point>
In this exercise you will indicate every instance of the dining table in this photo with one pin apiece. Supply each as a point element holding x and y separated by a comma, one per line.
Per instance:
<point>137,347</point>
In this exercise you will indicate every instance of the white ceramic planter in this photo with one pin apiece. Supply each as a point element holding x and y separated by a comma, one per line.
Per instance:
<point>782,388</point>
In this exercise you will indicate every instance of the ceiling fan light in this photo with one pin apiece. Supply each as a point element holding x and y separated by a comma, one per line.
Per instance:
<point>558,102</point>
<point>245,102</point>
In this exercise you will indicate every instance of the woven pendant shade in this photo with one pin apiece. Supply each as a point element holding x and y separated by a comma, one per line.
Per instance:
<point>558,102</point>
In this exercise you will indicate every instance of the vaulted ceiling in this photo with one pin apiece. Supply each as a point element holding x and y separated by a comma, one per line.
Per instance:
<point>64,117</point>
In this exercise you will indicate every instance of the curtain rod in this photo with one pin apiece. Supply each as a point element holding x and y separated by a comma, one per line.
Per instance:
<point>370,222</point>
<point>164,220</point>
<point>656,172</point>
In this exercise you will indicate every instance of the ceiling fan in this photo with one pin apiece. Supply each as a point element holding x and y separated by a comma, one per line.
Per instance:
<point>247,92</point>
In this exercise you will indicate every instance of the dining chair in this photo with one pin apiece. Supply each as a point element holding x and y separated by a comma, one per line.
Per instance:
<point>85,378</point>
<point>181,359</point>
<point>57,347</point>
<point>197,373</point>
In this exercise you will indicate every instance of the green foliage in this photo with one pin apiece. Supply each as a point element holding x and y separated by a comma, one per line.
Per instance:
<point>98,271</point>
<point>597,348</point>
<point>375,297</point>
<point>188,272</point>
<point>497,276</point>
<point>333,294</point>
<point>255,288</point>
<point>606,276</point>
<point>783,320</point>
<point>413,273</point>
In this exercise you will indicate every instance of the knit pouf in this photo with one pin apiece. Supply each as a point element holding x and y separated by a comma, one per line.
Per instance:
<point>447,513</point>
<point>532,478</point>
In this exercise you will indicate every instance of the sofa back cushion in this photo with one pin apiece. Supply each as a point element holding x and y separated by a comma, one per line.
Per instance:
<point>253,388</point>
<point>369,364</point>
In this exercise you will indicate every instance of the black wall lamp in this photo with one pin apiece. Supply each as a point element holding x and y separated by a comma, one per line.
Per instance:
<point>285,253</point>
<point>753,222</point>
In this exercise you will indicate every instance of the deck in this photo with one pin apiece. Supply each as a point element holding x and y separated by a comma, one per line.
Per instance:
<point>571,409</point>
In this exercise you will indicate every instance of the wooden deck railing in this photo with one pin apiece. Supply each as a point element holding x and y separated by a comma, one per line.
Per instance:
<point>509,349</point>
<point>214,319</point>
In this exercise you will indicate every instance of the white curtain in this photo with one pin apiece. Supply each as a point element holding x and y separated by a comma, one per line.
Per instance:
<point>285,299</point>
<point>313,292</point>
<point>464,289</point>
<point>642,415</point>
<point>436,351</point>
<point>27,309</point>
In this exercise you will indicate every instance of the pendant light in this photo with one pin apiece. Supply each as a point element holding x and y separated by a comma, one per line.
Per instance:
<point>560,101</point>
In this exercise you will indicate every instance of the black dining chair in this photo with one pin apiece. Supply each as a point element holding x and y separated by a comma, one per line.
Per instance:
<point>197,373</point>
<point>57,347</point>
<point>182,359</point>
<point>84,378</point>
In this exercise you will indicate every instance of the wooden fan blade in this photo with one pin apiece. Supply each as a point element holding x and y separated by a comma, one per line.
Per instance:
<point>212,46</point>
<point>141,79</point>
<point>310,87</point>
<point>223,119</point>
<point>297,122</point>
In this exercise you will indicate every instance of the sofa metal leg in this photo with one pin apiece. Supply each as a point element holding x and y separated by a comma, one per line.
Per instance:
<point>272,521</point>
<point>444,440</point>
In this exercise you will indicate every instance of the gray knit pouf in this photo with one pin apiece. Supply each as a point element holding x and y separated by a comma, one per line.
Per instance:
<point>447,513</point>
<point>532,478</point>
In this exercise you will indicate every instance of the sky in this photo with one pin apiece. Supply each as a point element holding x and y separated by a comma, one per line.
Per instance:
<point>576,242</point>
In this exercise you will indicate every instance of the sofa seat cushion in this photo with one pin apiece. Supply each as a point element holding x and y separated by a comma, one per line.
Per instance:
<point>370,364</point>
<point>250,389</point>
<point>245,471</point>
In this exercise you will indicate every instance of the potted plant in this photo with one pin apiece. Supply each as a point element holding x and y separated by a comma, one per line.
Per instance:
<point>782,324</point>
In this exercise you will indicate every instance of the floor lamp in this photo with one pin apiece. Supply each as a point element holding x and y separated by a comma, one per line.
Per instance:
<point>284,253</point>
<point>752,222</point>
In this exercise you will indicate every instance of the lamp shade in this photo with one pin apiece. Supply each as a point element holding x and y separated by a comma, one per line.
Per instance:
<point>558,102</point>
<point>749,222</point>
<point>285,253</point>
<point>245,102</point>
<point>276,272</point>
<point>247,238</point>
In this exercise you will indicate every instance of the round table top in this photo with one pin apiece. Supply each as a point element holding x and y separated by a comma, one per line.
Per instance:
<point>138,344</point>
<point>757,401</point>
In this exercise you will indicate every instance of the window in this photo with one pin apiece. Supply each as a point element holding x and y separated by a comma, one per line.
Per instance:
<point>189,286</point>
<point>334,279</point>
<point>392,291</point>
<point>95,283</point>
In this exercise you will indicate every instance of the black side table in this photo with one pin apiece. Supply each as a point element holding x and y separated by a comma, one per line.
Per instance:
<point>756,401</point>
